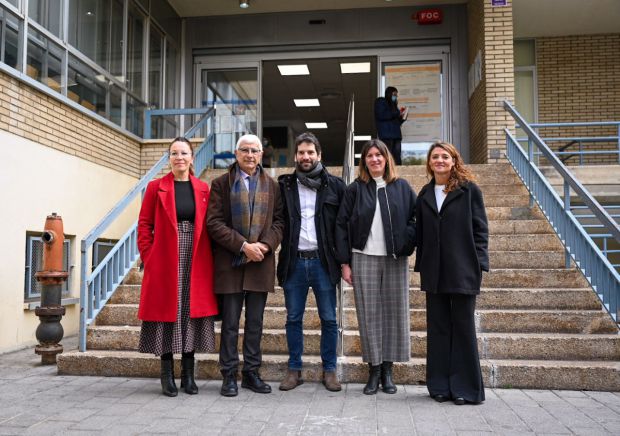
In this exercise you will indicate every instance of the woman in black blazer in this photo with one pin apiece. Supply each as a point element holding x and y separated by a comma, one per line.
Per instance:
<point>452,240</point>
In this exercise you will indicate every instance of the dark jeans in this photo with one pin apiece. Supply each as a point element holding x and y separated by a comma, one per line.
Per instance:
<point>310,272</point>
<point>394,146</point>
<point>452,361</point>
<point>230,309</point>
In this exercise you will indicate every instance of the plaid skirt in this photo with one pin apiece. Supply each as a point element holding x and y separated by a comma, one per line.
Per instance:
<point>185,334</point>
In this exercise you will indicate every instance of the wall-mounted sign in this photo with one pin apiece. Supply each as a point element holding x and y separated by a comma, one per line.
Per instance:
<point>428,16</point>
<point>499,2</point>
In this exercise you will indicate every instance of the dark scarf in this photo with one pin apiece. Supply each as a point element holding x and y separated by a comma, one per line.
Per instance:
<point>248,208</point>
<point>312,178</point>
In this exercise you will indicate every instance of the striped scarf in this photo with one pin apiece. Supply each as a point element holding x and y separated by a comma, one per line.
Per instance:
<point>248,208</point>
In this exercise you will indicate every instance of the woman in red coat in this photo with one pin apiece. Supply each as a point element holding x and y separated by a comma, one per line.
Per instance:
<point>177,303</point>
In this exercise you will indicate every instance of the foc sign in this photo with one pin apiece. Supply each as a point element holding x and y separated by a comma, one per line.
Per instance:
<point>428,16</point>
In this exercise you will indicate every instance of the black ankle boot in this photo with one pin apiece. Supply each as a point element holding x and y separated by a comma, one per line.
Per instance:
<point>229,383</point>
<point>168,387</point>
<point>187,376</point>
<point>374,374</point>
<point>387,384</point>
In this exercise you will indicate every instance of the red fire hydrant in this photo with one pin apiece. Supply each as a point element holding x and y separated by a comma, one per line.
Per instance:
<point>50,331</point>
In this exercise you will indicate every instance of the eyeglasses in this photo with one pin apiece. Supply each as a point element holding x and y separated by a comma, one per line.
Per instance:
<point>246,150</point>
<point>181,154</point>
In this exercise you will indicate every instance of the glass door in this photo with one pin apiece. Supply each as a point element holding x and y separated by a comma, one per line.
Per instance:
<point>234,93</point>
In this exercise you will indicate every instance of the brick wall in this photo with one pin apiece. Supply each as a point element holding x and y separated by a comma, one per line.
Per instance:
<point>490,31</point>
<point>579,81</point>
<point>29,113</point>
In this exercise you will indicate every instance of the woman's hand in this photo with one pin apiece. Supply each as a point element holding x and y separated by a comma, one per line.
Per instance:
<point>347,274</point>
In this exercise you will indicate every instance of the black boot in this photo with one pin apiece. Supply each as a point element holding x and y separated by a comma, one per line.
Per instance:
<point>374,374</point>
<point>229,383</point>
<point>187,375</point>
<point>387,384</point>
<point>168,387</point>
<point>251,380</point>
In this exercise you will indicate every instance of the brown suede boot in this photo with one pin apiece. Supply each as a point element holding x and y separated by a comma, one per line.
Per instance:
<point>291,381</point>
<point>330,380</point>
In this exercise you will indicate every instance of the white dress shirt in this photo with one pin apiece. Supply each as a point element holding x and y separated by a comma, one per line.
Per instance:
<point>307,203</point>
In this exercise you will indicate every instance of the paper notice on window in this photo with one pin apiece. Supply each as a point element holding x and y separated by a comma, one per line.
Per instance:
<point>419,91</point>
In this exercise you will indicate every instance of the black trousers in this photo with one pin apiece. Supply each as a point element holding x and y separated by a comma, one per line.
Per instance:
<point>230,309</point>
<point>452,361</point>
<point>395,148</point>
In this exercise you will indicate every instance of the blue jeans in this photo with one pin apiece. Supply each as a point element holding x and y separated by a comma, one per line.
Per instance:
<point>310,272</point>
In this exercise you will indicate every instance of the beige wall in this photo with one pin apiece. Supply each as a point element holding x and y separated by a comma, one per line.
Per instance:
<point>37,180</point>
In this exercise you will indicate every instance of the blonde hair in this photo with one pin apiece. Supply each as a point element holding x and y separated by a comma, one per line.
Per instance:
<point>459,174</point>
<point>389,174</point>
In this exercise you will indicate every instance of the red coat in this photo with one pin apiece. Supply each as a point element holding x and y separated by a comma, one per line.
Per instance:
<point>159,250</point>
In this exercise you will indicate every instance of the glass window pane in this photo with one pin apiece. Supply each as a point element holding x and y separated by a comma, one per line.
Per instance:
<point>155,68</point>
<point>48,13</point>
<point>90,29</point>
<point>14,2</point>
<point>116,43</point>
<point>525,53</point>
<point>171,76</point>
<point>86,86</point>
<point>135,116</point>
<point>44,59</point>
<point>116,104</point>
<point>9,28</point>
<point>135,49</point>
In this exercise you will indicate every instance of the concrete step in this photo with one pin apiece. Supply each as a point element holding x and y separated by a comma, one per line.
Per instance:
<point>525,242</point>
<point>513,213</point>
<point>525,226</point>
<point>490,320</point>
<point>560,346</point>
<point>497,373</point>
<point>489,298</point>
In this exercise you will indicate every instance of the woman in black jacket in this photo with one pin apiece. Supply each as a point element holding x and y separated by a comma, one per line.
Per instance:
<point>452,241</point>
<point>375,232</point>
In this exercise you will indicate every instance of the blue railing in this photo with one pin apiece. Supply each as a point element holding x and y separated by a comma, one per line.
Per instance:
<point>566,152</point>
<point>579,246</point>
<point>98,286</point>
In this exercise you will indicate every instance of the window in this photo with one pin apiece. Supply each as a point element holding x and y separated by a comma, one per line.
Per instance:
<point>9,28</point>
<point>48,13</point>
<point>34,263</point>
<point>101,248</point>
<point>135,49</point>
<point>525,79</point>
<point>44,59</point>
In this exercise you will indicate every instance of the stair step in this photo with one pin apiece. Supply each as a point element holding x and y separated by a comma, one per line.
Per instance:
<point>525,226</point>
<point>558,346</point>
<point>497,373</point>
<point>513,213</point>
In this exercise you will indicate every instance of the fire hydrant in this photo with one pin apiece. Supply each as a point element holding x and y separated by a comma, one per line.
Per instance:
<point>50,331</point>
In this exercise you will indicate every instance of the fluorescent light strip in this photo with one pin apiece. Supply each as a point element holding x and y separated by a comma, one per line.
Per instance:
<point>306,102</point>
<point>294,70</point>
<point>354,68</point>
<point>316,125</point>
<point>362,138</point>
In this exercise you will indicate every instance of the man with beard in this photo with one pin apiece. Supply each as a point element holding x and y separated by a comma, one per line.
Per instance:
<point>311,198</point>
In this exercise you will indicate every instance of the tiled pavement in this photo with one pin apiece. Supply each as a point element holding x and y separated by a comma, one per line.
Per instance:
<point>34,400</point>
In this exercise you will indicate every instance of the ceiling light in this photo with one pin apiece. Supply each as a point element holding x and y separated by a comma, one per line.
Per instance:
<point>353,68</point>
<point>316,125</point>
<point>361,138</point>
<point>294,70</point>
<point>244,4</point>
<point>306,102</point>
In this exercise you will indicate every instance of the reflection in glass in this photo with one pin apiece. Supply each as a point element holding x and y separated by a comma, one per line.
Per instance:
<point>8,38</point>
<point>135,116</point>
<point>135,35</point>
<point>48,13</point>
<point>86,86</point>
<point>44,59</point>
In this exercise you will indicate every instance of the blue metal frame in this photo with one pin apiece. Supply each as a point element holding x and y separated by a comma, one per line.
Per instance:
<point>580,247</point>
<point>98,286</point>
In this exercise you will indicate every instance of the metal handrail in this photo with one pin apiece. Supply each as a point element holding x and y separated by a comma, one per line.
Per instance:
<point>98,287</point>
<point>580,247</point>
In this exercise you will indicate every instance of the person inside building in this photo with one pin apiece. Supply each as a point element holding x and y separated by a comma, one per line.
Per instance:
<point>311,199</point>
<point>452,241</point>
<point>375,234</point>
<point>177,303</point>
<point>245,223</point>
<point>388,119</point>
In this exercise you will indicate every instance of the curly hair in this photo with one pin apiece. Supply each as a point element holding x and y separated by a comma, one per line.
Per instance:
<point>459,174</point>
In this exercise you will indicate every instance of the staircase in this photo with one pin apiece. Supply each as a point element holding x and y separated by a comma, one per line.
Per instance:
<point>539,325</point>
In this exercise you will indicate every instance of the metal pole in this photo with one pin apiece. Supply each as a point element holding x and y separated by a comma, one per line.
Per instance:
<point>530,156</point>
<point>567,209</point>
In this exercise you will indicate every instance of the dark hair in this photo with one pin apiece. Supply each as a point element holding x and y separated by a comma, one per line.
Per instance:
<point>389,174</point>
<point>388,95</point>
<point>310,138</point>
<point>189,144</point>
<point>459,175</point>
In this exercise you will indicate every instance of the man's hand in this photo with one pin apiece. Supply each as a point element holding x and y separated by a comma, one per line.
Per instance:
<point>264,248</point>
<point>253,251</point>
<point>347,274</point>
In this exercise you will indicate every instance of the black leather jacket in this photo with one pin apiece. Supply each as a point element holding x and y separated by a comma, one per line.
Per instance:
<point>357,212</point>
<point>328,199</point>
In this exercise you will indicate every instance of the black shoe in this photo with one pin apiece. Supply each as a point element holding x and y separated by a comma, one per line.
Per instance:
<point>459,401</point>
<point>440,398</point>
<point>374,374</point>
<point>168,387</point>
<point>187,376</point>
<point>387,384</point>
<point>251,380</point>
<point>229,383</point>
